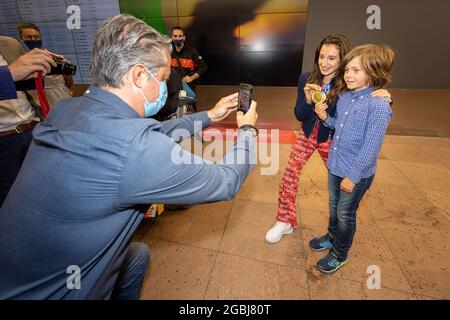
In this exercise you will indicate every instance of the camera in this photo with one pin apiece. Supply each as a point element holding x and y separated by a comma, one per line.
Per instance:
<point>245,97</point>
<point>63,67</point>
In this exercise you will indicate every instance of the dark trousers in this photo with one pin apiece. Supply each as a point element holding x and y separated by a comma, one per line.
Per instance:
<point>132,272</point>
<point>13,149</point>
<point>343,206</point>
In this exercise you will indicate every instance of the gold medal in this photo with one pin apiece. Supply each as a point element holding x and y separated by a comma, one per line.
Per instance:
<point>318,97</point>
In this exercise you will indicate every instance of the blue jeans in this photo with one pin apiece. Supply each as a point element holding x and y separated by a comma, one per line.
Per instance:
<point>343,206</point>
<point>132,272</point>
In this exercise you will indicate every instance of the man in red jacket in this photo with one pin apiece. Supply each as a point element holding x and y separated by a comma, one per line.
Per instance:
<point>186,60</point>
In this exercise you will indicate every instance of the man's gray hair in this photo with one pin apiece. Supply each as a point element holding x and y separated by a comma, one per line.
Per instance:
<point>122,42</point>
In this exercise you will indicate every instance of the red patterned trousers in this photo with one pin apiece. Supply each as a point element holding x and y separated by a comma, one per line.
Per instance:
<point>301,151</point>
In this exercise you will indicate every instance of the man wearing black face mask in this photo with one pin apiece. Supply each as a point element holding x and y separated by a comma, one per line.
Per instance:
<point>186,60</point>
<point>57,87</point>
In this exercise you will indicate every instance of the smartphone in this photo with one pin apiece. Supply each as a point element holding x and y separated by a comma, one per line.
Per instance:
<point>245,97</point>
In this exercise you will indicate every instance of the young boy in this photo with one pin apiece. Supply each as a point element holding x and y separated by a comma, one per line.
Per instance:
<point>360,125</point>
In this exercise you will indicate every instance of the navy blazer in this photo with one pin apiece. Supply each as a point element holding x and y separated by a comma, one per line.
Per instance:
<point>9,88</point>
<point>304,112</point>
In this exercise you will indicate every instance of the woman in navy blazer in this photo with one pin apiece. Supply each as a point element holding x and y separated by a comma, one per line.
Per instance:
<point>327,76</point>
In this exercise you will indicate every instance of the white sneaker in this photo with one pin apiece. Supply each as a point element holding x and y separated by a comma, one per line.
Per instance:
<point>278,230</point>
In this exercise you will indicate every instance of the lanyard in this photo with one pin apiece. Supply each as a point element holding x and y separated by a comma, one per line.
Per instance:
<point>45,106</point>
<point>326,88</point>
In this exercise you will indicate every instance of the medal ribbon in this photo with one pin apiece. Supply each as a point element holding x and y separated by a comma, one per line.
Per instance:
<point>326,88</point>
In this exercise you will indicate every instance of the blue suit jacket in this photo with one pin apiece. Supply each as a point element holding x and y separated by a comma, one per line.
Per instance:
<point>9,88</point>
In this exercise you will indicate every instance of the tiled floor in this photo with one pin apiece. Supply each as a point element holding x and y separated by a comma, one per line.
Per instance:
<point>218,251</point>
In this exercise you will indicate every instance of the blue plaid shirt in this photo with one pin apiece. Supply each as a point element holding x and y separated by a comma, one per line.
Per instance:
<point>360,124</point>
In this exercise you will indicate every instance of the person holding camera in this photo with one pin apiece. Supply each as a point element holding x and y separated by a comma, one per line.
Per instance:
<point>18,110</point>
<point>57,86</point>
<point>14,77</point>
<point>94,165</point>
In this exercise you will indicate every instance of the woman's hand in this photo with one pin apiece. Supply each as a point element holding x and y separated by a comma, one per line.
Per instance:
<point>382,93</point>
<point>321,110</point>
<point>309,89</point>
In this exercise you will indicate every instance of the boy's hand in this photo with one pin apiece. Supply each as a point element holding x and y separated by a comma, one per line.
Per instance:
<point>347,185</point>
<point>321,111</point>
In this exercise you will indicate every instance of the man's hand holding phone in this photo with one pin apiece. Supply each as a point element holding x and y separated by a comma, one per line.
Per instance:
<point>246,114</point>
<point>245,97</point>
<point>249,118</point>
<point>223,108</point>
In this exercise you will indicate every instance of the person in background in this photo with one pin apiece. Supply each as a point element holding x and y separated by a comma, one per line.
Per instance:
<point>19,112</point>
<point>18,75</point>
<point>57,87</point>
<point>360,122</point>
<point>186,60</point>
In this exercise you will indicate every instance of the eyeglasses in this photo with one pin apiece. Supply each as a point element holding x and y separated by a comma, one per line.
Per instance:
<point>31,37</point>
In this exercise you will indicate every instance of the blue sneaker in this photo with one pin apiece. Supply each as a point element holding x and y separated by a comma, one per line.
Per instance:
<point>330,263</point>
<point>321,243</point>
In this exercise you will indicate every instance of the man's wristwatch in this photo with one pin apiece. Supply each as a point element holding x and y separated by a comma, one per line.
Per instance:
<point>248,127</point>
